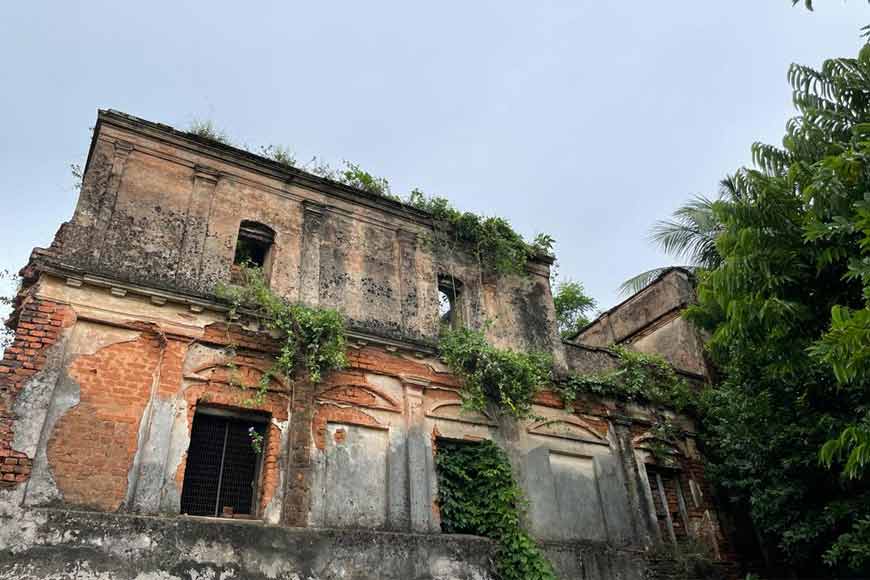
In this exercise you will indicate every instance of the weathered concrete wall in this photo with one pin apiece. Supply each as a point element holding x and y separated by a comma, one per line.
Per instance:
<point>678,341</point>
<point>161,209</point>
<point>119,343</point>
<point>589,359</point>
<point>650,322</point>
<point>596,561</point>
<point>59,544</point>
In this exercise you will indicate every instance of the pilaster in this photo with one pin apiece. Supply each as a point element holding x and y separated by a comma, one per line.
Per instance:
<point>196,221</point>
<point>408,281</point>
<point>420,464</point>
<point>107,202</point>
<point>309,264</point>
<point>637,486</point>
<point>297,495</point>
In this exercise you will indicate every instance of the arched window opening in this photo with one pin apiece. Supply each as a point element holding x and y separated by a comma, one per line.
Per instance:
<point>449,305</point>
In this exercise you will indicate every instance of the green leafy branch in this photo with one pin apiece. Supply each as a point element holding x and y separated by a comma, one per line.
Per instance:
<point>572,307</point>
<point>477,495</point>
<point>507,378</point>
<point>7,302</point>
<point>312,339</point>
<point>638,378</point>
<point>499,247</point>
<point>256,440</point>
<point>664,434</point>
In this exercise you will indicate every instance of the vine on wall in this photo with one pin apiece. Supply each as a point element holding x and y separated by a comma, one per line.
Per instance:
<point>477,495</point>
<point>311,339</point>
<point>508,378</point>
<point>638,378</point>
<point>499,247</point>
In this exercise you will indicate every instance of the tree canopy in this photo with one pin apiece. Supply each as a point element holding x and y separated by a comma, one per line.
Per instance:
<point>786,298</point>
<point>573,307</point>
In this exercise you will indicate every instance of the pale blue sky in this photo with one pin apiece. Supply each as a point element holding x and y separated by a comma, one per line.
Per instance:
<point>586,119</point>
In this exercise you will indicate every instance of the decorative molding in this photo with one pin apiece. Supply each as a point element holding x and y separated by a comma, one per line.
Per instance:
<point>571,428</point>
<point>452,411</point>
<point>246,375</point>
<point>351,393</point>
<point>640,441</point>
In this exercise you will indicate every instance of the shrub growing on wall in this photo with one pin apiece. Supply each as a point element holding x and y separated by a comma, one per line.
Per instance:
<point>311,338</point>
<point>638,378</point>
<point>498,246</point>
<point>477,495</point>
<point>508,378</point>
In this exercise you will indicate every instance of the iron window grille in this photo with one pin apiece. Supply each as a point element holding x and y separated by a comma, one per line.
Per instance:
<point>223,468</point>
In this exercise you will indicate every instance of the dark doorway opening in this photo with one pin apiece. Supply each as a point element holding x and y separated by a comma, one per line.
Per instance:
<point>220,478</point>
<point>669,501</point>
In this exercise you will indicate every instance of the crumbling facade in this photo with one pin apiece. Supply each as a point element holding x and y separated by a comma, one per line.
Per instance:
<point>126,408</point>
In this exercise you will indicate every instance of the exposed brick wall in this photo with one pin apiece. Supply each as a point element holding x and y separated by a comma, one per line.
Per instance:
<point>275,403</point>
<point>39,325</point>
<point>93,444</point>
<point>379,361</point>
<point>299,475</point>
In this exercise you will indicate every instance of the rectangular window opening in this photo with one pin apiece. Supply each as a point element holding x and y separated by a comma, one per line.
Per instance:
<point>223,464</point>
<point>455,460</point>
<point>253,248</point>
<point>669,502</point>
<point>449,301</point>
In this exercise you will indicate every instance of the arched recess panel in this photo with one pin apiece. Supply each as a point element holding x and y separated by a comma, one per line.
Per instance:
<point>354,475</point>
<point>575,483</point>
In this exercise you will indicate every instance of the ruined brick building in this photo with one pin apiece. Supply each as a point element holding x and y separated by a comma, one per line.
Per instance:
<point>125,446</point>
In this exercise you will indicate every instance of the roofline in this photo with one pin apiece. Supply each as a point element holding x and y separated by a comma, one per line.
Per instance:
<point>612,309</point>
<point>265,165</point>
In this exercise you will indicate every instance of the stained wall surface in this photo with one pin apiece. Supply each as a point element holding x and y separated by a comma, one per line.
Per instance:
<point>120,342</point>
<point>650,321</point>
<point>162,209</point>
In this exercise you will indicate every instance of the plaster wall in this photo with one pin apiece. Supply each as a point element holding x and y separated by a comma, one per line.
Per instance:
<point>650,322</point>
<point>161,209</point>
<point>121,342</point>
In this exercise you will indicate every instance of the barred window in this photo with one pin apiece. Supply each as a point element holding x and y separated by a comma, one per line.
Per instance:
<point>223,463</point>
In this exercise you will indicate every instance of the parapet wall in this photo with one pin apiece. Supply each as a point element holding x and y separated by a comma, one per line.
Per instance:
<point>651,322</point>
<point>61,544</point>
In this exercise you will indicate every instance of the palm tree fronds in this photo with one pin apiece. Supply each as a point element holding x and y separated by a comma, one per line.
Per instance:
<point>691,233</point>
<point>637,283</point>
